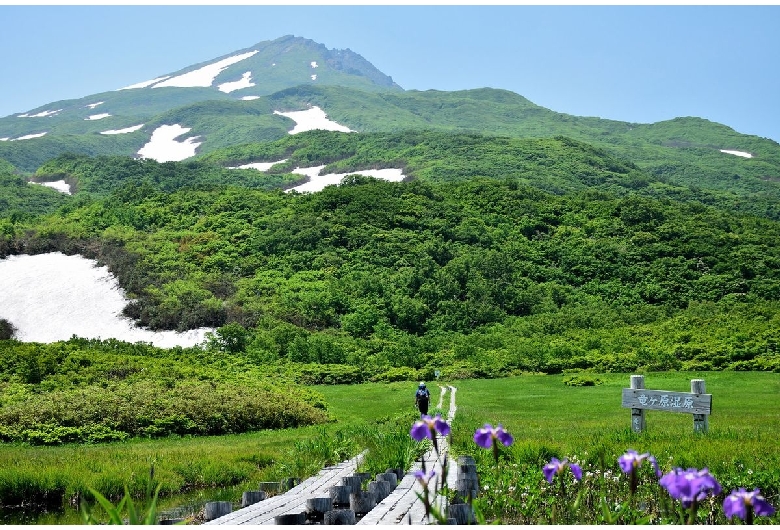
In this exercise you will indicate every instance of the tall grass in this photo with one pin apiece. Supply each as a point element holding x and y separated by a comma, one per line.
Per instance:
<point>589,426</point>
<point>45,478</point>
<point>50,477</point>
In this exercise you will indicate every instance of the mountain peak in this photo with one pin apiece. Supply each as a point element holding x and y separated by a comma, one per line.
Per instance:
<point>270,66</point>
<point>345,61</point>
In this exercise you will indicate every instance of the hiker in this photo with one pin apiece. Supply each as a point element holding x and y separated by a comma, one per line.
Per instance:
<point>421,399</point>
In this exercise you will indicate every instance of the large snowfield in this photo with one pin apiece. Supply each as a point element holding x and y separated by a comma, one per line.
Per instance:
<point>51,297</point>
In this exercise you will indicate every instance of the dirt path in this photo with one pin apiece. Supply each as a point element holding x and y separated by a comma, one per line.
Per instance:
<point>441,397</point>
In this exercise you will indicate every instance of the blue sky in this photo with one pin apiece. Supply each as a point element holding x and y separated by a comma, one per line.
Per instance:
<point>631,63</point>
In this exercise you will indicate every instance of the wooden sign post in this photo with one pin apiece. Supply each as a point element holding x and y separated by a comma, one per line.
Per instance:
<point>695,402</point>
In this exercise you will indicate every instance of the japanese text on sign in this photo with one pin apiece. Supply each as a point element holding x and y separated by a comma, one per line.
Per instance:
<point>663,400</point>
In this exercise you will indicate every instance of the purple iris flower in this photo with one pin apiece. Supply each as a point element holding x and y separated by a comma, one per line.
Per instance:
<point>427,427</point>
<point>423,477</point>
<point>745,504</point>
<point>630,461</point>
<point>485,436</point>
<point>556,467</point>
<point>690,485</point>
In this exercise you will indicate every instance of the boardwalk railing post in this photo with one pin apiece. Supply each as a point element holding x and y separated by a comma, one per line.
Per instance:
<point>637,415</point>
<point>216,509</point>
<point>700,421</point>
<point>251,497</point>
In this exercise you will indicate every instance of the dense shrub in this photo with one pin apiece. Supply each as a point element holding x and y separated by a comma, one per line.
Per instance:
<point>496,275</point>
<point>114,412</point>
<point>397,374</point>
<point>581,380</point>
<point>327,374</point>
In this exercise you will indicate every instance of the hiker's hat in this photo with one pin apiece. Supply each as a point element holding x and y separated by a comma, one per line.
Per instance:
<point>422,385</point>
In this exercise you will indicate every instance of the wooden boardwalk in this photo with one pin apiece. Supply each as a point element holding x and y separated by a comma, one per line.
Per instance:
<point>402,506</point>
<point>293,500</point>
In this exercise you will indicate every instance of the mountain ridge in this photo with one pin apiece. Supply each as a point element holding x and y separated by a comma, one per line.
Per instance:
<point>355,95</point>
<point>347,61</point>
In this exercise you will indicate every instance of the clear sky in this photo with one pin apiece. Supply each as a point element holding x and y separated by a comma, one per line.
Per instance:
<point>631,63</point>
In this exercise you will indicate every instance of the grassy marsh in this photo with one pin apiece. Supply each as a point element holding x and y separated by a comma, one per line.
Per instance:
<point>546,417</point>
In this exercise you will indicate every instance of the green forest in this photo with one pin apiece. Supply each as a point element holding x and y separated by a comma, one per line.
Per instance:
<point>496,256</point>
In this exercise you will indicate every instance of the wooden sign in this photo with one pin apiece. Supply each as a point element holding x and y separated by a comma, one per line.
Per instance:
<point>669,401</point>
<point>639,399</point>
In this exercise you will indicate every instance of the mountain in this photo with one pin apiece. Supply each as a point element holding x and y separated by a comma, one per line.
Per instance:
<point>121,121</point>
<point>265,92</point>
<point>237,99</point>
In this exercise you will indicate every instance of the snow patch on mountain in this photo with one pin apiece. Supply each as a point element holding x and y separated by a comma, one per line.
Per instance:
<point>144,84</point>
<point>4,139</point>
<point>93,105</point>
<point>59,185</point>
<point>244,82</point>
<point>314,77</point>
<point>123,131</point>
<point>260,166</point>
<point>314,64</point>
<point>44,114</point>
<point>51,297</point>
<point>164,147</point>
<point>318,182</point>
<point>249,98</point>
<point>736,153</point>
<point>97,116</point>
<point>311,119</point>
<point>204,76</point>
<point>29,136</point>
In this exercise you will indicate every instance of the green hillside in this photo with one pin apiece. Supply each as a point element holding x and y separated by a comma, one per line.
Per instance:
<point>28,155</point>
<point>102,175</point>
<point>557,165</point>
<point>19,199</point>
<point>228,123</point>
<point>488,274</point>
<point>682,152</point>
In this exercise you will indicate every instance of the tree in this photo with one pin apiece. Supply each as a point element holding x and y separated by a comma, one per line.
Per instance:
<point>231,338</point>
<point>7,330</point>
